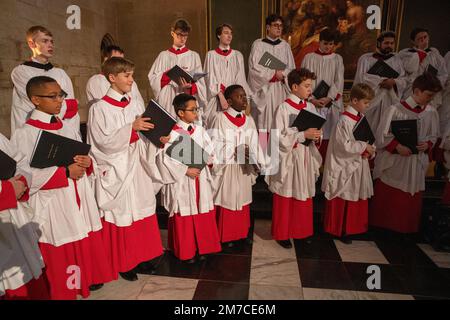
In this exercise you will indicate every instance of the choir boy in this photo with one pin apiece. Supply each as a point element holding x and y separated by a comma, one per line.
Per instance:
<point>347,181</point>
<point>294,185</point>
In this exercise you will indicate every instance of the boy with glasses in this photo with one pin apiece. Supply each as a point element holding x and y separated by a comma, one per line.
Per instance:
<point>163,87</point>
<point>63,202</point>
<point>269,87</point>
<point>40,42</point>
<point>189,201</point>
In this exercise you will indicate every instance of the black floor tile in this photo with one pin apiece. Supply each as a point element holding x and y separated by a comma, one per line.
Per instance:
<point>324,274</point>
<point>399,252</point>
<point>320,249</point>
<point>429,298</point>
<point>172,267</point>
<point>231,268</point>
<point>215,290</point>
<point>240,248</point>
<point>429,282</point>
<point>390,282</point>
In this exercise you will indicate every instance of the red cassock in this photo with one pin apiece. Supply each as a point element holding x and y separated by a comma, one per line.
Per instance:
<point>188,234</point>
<point>343,217</point>
<point>394,209</point>
<point>291,218</point>
<point>233,224</point>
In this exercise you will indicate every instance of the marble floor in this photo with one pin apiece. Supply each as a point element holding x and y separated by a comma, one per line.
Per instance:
<point>318,269</point>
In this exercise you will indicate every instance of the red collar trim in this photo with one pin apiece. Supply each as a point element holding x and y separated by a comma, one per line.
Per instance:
<point>225,54</point>
<point>351,116</point>
<point>179,129</point>
<point>174,51</point>
<point>298,106</point>
<point>407,106</point>
<point>116,103</point>
<point>238,122</point>
<point>45,126</point>
<point>322,53</point>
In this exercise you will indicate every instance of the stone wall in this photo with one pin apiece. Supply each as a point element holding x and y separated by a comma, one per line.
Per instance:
<point>142,28</point>
<point>144,31</point>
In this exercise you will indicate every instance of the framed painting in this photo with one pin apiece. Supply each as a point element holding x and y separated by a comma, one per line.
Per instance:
<point>305,19</point>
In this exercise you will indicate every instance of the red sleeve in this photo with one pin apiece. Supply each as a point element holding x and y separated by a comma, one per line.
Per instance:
<point>222,88</point>
<point>7,196</point>
<point>59,180</point>
<point>194,89</point>
<point>134,136</point>
<point>338,96</point>
<point>365,153</point>
<point>26,195</point>
<point>165,80</point>
<point>72,108</point>
<point>391,146</point>
<point>274,78</point>
<point>90,170</point>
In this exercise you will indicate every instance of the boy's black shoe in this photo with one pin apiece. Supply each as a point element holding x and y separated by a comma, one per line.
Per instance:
<point>345,240</point>
<point>230,244</point>
<point>285,243</point>
<point>95,287</point>
<point>129,275</point>
<point>190,261</point>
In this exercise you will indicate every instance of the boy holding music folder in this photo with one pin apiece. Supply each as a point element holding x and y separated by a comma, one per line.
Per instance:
<point>405,140</point>
<point>61,196</point>
<point>347,182</point>
<point>192,222</point>
<point>21,262</point>
<point>235,138</point>
<point>329,85</point>
<point>127,177</point>
<point>299,129</point>
<point>178,70</point>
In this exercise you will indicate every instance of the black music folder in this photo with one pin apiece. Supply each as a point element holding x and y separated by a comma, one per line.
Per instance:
<point>363,131</point>
<point>162,120</point>
<point>176,73</point>
<point>8,166</point>
<point>432,70</point>
<point>405,132</point>
<point>269,61</point>
<point>321,90</point>
<point>55,150</point>
<point>306,120</point>
<point>188,152</point>
<point>382,69</point>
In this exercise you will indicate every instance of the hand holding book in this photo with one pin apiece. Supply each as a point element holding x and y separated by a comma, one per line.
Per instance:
<point>76,172</point>
<point>403,150</point>
<point>142,124</point>
<point>18,186</point>
<point>313,134</point>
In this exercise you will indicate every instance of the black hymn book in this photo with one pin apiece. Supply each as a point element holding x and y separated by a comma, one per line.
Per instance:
<point>176,73</point>
<point>363,131</point>
<point>321,90</point>
<point>382,69</point>
<point>162,120</point>
<point>8,166</point>
<point>306,120</point>
<point>405,132</point>
<point>54,150</point>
